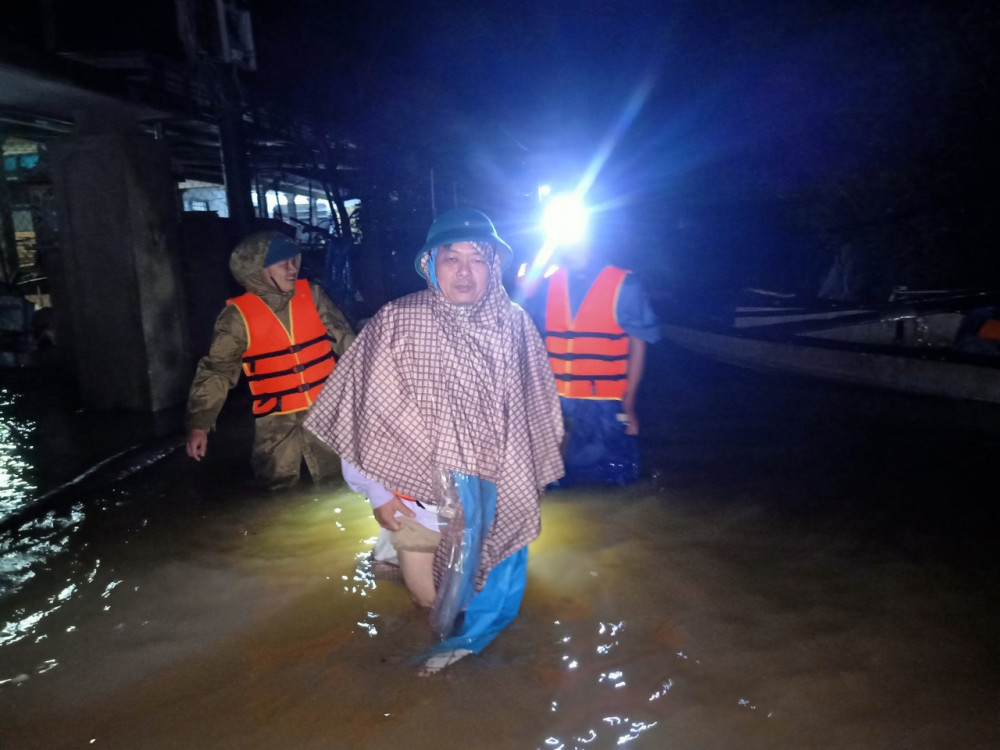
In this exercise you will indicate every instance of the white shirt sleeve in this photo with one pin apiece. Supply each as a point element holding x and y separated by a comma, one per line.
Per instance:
<point>378,496</point>
<point>376,492</point>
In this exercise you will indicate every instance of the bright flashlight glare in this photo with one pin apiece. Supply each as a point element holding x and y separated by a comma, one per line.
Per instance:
<point>565,220</point>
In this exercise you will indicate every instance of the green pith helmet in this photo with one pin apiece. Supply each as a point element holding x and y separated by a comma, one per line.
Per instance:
<point>463,225</point>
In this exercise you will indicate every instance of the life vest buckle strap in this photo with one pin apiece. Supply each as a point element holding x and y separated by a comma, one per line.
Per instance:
<point>573,356</point>
<point>588,378</point>
<point>259,414</point>
<point>297,369</point>
<point>304,387</point>
<point>584,335</point>
<point>291,349</point>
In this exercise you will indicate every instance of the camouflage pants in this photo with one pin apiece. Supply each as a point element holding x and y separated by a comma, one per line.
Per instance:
<point>281,444</point>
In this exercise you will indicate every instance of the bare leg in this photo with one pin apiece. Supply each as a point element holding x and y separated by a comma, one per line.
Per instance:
<point>418,574</point>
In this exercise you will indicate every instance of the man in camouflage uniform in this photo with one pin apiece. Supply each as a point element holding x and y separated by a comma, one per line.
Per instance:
<point>285,334</point>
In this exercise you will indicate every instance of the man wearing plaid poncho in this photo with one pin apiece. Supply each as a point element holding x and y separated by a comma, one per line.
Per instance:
<point>451,382</point>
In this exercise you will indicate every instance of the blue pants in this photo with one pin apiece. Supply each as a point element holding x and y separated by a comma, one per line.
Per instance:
<point>597,448</point>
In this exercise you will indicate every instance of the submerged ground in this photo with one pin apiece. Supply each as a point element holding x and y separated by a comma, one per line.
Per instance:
<point>805,566</point>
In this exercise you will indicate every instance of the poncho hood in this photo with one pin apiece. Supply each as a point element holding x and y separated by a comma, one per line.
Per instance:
<point>247,266</point>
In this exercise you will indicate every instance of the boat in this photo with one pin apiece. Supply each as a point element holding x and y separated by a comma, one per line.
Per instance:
<point>931,342</point>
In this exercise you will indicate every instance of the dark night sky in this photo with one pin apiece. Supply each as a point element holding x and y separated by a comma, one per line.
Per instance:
<point>863,110</point>
<point>552,69</point>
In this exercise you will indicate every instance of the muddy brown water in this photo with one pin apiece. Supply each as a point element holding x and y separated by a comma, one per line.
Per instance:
<point>805,566</point>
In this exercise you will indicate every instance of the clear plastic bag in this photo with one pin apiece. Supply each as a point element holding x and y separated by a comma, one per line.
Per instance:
<point>449,504</point>
<point>448,601</point>
<point>471,503</point>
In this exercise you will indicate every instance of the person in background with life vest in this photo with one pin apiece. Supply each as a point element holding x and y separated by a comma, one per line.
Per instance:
<point>285,335</point>
<point>445,414</point>
<point>596,321</point>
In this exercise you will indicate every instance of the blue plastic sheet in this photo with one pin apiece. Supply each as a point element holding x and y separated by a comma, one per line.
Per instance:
<point>462,617</point>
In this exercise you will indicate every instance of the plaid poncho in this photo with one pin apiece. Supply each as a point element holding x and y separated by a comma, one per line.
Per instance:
<point>430,384</point>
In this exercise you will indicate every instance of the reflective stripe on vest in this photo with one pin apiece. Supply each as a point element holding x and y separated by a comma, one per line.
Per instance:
<point>286,371</point>
<point>589,353</point>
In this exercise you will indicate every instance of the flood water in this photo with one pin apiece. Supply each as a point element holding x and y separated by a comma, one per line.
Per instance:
<point>807,566</point>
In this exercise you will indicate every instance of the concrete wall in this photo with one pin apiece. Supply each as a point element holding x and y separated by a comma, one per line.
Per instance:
<point>119,294</point>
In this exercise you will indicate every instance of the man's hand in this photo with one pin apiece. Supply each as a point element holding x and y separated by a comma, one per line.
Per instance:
<point>636,365</point>
<point>386,514</point>
<point>197,442</point>
<point>628,409</point>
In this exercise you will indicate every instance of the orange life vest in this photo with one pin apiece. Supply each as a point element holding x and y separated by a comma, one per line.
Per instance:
<point>589,353</point>
<point>286,369</point>
<point>990,329</point>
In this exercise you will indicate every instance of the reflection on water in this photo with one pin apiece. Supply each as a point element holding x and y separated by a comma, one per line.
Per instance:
<point>15,433</point>
<point>57,462</point>
<point>755,596</point>
<point>22,552</point>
